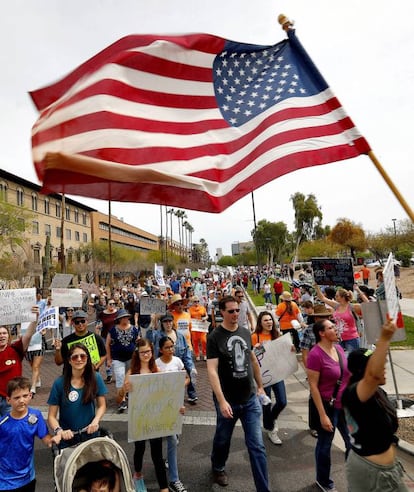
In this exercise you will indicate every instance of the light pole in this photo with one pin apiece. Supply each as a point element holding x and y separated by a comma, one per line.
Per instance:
<point>395,229</point>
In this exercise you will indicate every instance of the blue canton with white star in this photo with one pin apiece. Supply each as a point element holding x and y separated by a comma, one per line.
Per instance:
<point>249,79</point>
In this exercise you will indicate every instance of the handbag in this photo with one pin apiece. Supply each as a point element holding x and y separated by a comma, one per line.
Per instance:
<point>313,414</point>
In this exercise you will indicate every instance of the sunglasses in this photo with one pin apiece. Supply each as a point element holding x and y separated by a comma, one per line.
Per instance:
<point>232,311</point>
<point>69,310</point>
<point>78,357</point>
<point>79,321</point>
<point>111,304</point>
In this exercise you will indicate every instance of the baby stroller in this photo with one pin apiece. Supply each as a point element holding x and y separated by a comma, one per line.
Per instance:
<point>76,467</point>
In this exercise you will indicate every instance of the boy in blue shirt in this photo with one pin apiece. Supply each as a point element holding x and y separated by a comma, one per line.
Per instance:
<point>18,430</point>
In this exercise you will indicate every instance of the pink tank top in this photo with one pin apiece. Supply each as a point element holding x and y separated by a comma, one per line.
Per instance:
<point>346,324</point>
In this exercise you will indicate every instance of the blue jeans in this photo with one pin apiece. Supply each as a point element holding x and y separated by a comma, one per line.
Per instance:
<point>172,458</point>
<point>350,345</point>
<point>271,412</point>
<point>323,448</point>
<point>249,414</point>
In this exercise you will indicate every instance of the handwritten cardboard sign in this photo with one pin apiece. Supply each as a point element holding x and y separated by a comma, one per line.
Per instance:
<point>154,405</point>
<point>61,280</point>
<point>67,297</point>
<point>276,360</point>
<point>148,305</point>
<point>16,306</point>
<point>199,325</point>
<point>333,271</point>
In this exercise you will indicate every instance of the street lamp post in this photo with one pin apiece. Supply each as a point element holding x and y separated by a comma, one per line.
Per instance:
<point>395,229</point>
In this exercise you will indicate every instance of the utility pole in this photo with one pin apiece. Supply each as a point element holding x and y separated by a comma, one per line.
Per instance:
<point>62,236</point>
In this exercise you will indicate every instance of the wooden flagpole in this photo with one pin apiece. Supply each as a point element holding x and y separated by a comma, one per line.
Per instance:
<point>288,24</point>
<point>393,188</point>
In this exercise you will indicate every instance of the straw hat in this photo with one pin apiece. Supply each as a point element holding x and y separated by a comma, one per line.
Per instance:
<point>321,311</point>
<point>286,296</point>
<point>177,298</point>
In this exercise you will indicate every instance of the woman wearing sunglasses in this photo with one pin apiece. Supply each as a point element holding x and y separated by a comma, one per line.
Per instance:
<point>78,397</point>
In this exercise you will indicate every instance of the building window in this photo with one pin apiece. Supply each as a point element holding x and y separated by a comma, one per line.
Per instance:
<point>34,202</point>
<point>78,256</point>
<point>3,192</point>
<point>35,227</point>
<point>19,197</point>
<point>58,231</point>
<point>85,237</point>
<point>58,211</point>
<point>68,234</point>
<point>70,256</point>
<point>84,221</point>
<point>76,214</point>
<point>47,206</point>
<point>36,256</point>
<point>67,213</point>
<point>48,229</point>
<point>77,236</point>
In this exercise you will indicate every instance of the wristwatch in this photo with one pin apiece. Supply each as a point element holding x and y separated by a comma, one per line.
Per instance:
<point>57,430</point>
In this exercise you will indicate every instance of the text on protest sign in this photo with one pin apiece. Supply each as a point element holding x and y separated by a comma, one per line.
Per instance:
<point>154,405</point>
<point>90,343</point>
<point>333,271</point>
<point>67,297</point>
<point>16,306</point>
<point>393,305</point>
<point>148,305</point>
<point>199,325</point>
<point>276,360</point>
<point>49,319</point>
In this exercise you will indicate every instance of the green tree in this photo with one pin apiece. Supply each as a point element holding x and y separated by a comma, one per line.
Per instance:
<point>228,261</point>
<point>270,240</point>
<point>14,221</point>
<point>308,218</point>
<point>350,235</point>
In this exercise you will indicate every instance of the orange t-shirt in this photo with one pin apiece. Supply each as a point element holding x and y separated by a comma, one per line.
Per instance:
<point>182,322</point>
<point>285,319</point>
<point>261,337</point>
<point>197,311</point>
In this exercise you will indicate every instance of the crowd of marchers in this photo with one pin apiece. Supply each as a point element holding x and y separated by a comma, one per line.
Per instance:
<point>207,317</point>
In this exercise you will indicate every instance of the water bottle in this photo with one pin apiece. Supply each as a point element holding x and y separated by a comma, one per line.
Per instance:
<point>264,400</point>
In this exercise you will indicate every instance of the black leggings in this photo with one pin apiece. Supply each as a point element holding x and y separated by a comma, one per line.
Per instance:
<point>295,336</point>
<point>157,459</point>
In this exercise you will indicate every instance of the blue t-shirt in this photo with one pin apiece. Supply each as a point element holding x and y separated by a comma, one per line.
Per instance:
<point>16,448</point>
<point>73,414</point>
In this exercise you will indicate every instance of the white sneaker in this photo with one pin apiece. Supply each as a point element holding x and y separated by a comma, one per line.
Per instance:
<point>38,383</point>
<point>274,437</point>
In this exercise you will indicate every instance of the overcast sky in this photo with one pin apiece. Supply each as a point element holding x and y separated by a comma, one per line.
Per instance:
<point>364,50</point>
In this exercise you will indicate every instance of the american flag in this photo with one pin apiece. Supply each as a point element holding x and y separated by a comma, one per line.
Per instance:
<point>192,121</point>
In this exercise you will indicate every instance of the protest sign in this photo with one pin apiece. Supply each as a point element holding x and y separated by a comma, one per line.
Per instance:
<point>49,319</point>
<point>333,271</point>
<point>90,343</point>
<point>89,288</point>
<point>393,305</point>
<point>148,305</point>
<point>67,297</point>
<point>16,306</point>
<point>154,405</point>
<point>159,275</point>
<point>61,280</point>
<point>276,360</point>
<point>199,325</point>
<point>374,314</point>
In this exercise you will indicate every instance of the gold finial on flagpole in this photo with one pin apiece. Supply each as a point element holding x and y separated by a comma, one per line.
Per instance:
<point>285,22</point>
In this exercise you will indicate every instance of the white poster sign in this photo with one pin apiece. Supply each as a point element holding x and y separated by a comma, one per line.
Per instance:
<point>61,280</point>
<point>159,275</point>
<point>277,360</point>
<point>49,319</point>
<point>154,405</point>
<point>16,306</point>
<point>391,297</point>
<point>199,325</point>
<point>67,297</point>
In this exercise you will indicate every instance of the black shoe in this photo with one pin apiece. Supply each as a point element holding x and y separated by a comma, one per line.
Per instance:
<point>122,407</point>
<point>108,379</point>
<point>220,478</point>
<point>193,400</point>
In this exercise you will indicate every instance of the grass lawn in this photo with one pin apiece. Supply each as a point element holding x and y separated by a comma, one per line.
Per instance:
<point>409,333</point>
<point>258,300</point>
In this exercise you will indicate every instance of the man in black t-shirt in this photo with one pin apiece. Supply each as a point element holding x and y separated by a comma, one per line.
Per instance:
<point>93,342</point>
<point>233,370</point>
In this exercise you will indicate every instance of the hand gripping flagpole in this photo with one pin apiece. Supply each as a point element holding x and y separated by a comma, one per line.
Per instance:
<point>287,24</point>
